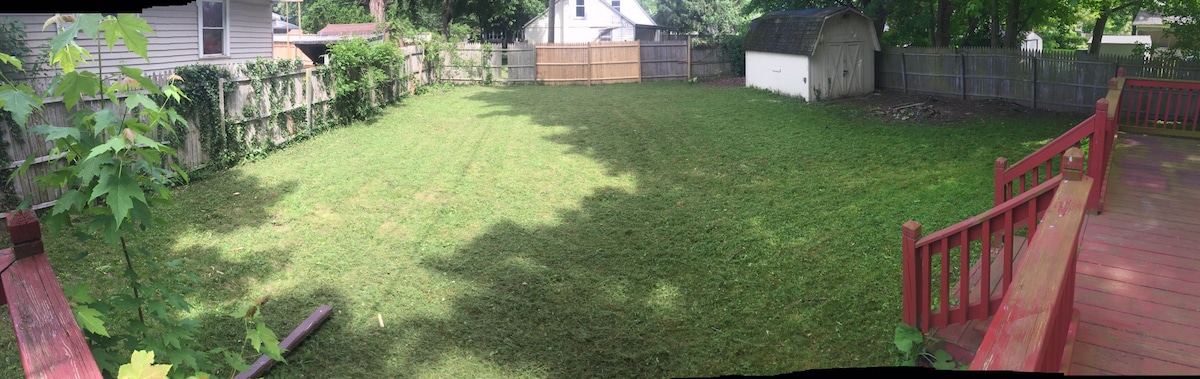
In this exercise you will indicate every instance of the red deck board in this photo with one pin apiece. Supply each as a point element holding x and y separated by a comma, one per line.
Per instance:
<point>1147,226</point>
<point>1174,352</point>
<point>1078,369</point>
<point>1140,325</point>
<point>1147,243</point>
<point>50,341</point>
<point>1138,281</point>
<point>1124,363</point>
<point>1135,263</point>
<point>1138,278</point>
<point>1091,247</point>
<point>1122,289</point>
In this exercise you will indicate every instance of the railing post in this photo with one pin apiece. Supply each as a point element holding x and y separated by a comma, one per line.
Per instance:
<point>26,234</point>
<point>1098,150</point>
<point>1002,191</point>
<point>911,268</point>
<point>1072,164</point>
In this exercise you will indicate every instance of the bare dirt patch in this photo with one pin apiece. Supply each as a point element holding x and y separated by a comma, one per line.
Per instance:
<point>897,107</point>
<point>726,81</point>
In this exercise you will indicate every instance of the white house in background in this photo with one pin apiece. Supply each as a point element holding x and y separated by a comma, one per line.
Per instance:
<point>816,54</point>
<point>1032,42</point>
<point>1154,25</point>
<point>202,31</point>
<point>1122,44</point>
<point>593,21</point>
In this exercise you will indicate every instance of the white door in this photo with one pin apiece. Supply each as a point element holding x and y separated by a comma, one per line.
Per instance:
<point>841,69</point>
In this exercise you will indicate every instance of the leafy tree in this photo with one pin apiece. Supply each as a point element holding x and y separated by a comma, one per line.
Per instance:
<point>113,172</point>
<point>707,17</point>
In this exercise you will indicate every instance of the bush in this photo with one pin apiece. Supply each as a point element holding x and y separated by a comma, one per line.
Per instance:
<point>360,68</point>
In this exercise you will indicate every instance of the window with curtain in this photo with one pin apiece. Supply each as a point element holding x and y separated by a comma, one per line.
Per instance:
<point>214,28</point>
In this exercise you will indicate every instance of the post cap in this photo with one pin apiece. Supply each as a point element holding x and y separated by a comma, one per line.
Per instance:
<point>1002,162</point>
<point>912,229</point>
<point>23,227</point>
<point>1102,105</point>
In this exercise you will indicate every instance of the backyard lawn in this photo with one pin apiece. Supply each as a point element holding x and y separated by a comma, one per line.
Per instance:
<point>639,230</point>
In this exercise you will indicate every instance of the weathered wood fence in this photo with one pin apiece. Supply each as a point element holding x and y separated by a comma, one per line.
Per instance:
<point>1052,80</point>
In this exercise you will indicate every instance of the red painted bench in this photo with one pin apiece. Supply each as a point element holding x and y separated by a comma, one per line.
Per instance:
<point>51,343</point>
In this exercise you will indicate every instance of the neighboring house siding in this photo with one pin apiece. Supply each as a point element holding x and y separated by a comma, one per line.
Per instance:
<point>783,73</point>
<point>175,41</point>
<point>598,18</point>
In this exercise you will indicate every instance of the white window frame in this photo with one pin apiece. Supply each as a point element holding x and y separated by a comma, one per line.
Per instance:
<point>200,28</point>
<point>579,5</point>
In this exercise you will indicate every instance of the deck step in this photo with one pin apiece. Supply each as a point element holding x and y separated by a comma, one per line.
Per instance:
<point>963,340</point>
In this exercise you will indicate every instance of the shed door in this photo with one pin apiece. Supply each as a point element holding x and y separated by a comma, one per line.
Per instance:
<point>843,72</point>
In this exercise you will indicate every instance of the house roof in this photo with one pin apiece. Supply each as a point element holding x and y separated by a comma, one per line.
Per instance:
<point>640,21</point>
<point>792,32</point>
<point>1146,18</point>
<point>363,29</point>
<point>1123,40</point>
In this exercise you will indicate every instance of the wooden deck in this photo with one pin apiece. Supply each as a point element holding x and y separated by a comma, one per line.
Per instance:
<point>1138,275</point>
<point>1138,283</point>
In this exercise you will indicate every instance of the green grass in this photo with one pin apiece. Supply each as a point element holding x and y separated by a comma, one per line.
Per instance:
<point>643,230</point>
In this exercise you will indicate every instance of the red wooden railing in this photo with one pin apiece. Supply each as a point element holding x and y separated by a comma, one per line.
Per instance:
<point>1034,327</point>
<point>1164,107</point>
<point>1040,166</point>
<point>925,309</point>
<point>51,344</point>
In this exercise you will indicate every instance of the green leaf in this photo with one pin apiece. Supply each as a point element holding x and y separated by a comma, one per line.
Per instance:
<point>70,199</point>
<point>55,132</point>
<point>142,366</point>
<point>89,24</point>
<point>136,75</point>
<point>104,118</point>
<point>136,99</point>
<point>78,293</point>
<point>907,337</point>
<point>236,362</point>
<point>130,28</point>
<point>75,85</point>
<point>89,320</point>
<point>64,37</point>
<point>119,191</point>
<point>944,361</point>
<point>114,144</point>
<point>70,57</point>
<point>20,101</point>
<point>15,62</point>
<point>269,342</point>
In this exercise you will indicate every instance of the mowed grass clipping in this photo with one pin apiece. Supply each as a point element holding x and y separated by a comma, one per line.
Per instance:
<point>641,230</point>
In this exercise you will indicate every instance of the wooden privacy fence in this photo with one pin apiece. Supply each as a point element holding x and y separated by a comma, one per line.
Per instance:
<point>479,62</point>
<point>1053,80</point>
<point>627,62</point>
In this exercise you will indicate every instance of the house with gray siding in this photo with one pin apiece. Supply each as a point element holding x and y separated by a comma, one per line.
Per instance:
<point>202,31</point>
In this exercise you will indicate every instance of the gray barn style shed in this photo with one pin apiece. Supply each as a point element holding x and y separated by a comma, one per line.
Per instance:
<point>816,54</point>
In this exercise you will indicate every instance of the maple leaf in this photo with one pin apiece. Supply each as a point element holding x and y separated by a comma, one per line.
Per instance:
<point>131,29</point>
<point>142,366</point>
<point>20,101</point>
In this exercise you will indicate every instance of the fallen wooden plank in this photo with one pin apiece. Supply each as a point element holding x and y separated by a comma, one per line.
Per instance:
<point>306,327</point>
<point>51,344</point>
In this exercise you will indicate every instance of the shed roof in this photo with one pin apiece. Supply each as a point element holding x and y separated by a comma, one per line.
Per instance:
<point>792,32</point>
<point>363,29</point>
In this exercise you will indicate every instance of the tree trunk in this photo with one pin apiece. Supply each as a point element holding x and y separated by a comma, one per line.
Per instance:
<point>994,24</point>
<point>933,35</point>
<point>1011,39</point>
<point>880,21</point>
<point>943,24</point>
<point>550,23</point>
<point>447,14</point>
<point>377,9</point>
<point>1098,32</point>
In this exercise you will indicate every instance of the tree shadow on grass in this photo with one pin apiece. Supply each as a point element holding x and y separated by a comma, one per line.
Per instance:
<point>762,238</point>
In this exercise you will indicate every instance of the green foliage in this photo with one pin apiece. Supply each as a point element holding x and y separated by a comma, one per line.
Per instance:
<point>732,45</point>
<point>364,70</point>
<point>710,18</point>
<point>112,171</point>
<point>913,347</point>
<point>141,366</point>
<point>199,82</point>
